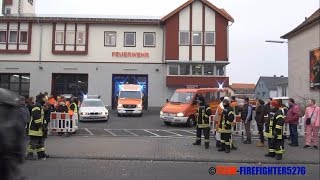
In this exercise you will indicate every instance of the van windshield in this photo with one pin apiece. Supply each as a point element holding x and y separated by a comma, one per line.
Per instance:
<point>130,94</point>
<point>182,97</point>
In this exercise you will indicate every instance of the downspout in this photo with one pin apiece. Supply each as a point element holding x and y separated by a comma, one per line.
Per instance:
<point>40,48</point>
<point>163,43</point>
<point>228,39</point>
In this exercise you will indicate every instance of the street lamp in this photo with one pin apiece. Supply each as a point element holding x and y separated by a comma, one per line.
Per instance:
<point>275,41</point>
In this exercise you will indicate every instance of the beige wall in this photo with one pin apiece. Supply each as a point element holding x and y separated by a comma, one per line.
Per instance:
<point>97,52</point>
<point>298,63</point>
<point>184,25</point>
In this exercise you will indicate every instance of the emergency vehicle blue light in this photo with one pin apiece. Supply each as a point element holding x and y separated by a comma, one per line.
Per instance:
<point>221,86</point>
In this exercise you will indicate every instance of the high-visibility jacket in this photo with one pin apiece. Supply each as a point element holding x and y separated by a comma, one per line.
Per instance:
<point>226,120</point>
<point>274,125</point>
<point>37,121</point>
<point>74,108</point>
<point>202,116</point>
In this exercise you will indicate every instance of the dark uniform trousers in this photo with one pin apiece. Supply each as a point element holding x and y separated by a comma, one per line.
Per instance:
<point>36,144</point>
<point>206,133</point>
<point>203,114</point>
<point>36,132</point>
<point>225,128</point>
<point>274,133</point>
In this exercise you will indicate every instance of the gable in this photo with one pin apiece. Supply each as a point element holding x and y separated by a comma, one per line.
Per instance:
<point>222,12</point>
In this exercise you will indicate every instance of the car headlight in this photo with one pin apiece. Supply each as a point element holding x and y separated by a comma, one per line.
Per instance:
<point>139,106</point>
<point>120,106</point>
<point>105,113</point>
<point>180,114</point>
<point>161,113</point>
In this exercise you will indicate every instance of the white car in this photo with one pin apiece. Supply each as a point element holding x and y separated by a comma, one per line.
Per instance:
<point>93,110</point>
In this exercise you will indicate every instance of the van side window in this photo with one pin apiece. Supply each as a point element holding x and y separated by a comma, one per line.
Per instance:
<point>209,97</point>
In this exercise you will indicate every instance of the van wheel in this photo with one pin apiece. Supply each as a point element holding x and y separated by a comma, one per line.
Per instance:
<point>190,121</point>
<point>167,123</point>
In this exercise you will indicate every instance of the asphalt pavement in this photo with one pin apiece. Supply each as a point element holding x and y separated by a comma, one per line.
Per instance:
<point>83,169</point>
<point>145,148</point>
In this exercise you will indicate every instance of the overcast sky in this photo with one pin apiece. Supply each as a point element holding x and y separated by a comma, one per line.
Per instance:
<point>255,22</point>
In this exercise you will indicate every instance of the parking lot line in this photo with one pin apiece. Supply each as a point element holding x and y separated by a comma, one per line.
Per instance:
<point>189,132</point>
<point>130,132</point>
<point>152,133</point>
<point>172,133</point>
<point>86,129</point>
<point>113,134</point>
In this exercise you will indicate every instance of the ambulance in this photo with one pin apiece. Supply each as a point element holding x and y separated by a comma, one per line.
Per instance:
<point>130,100</point>
<point>182,106</point>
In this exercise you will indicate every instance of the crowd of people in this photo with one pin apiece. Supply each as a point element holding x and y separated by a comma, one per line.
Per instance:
<point>35,114</point>
<point>270,118</point>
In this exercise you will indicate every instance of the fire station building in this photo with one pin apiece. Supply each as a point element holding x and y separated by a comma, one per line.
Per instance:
<point>68,55</point>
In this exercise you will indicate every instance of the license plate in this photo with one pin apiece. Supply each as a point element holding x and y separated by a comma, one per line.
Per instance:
<point>93,117</point>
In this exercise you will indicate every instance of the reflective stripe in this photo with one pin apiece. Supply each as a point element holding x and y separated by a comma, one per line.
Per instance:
<point>279,116</point>
<point>38,121</point>
<point>267,135</point>
<point>206,116</point>
<point>279,152</point>
<point>208,108</point>
<point>227,143</point>
<point>35,133</point>
<point>206,140</point>
<point>278,127</point>
<point>271,150</point>
<point>198,138</point>
<point>279,136</point>
<point>231,112</point>
<point>203,125</point>
<point>40,149</point>
<point>224,130</point>
<point>228,122</point>
<point>36,108</point>
<point>222,141</point>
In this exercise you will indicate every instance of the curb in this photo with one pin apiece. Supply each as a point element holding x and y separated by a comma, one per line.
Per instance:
<point>183,160</point>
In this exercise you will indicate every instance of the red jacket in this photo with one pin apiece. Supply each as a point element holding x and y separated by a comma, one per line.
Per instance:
<point>293,115</point>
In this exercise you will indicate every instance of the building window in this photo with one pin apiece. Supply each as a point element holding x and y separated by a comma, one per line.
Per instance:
<point>110,38</point>
<point>129,39</point>
<point>18,83</point>
<point>8,11</point>
<point>75,84</point>
<point>23,37</point>
<point>185,69</point>
<point>264,94</point>
<point>3,36</point>
<point>59,37</point>
<point>70,37</point>
<point>81,38</point>
<point>174,70</point>
<point>208,70</point>
<point>284,91</point>
<point>258,94</point>
<point>209,38</point>
<point>13,37</point>
<point>184,38</point>
<point>197,69</point>
<point>149,39</point>
<point>220,70</point>
<point>196,38</point>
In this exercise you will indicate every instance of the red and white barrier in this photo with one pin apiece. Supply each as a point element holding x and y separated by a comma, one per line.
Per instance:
<point>63,122</point>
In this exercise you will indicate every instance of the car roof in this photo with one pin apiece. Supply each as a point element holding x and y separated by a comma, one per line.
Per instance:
<point>92,99</point>
<point>283,98</point>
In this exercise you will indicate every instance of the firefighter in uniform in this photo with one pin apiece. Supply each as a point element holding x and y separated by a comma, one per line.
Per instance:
<point>36,129</point>
<point>73,105</point>
<point>202,118</point>
<point>225,126</point>
<point>274,131</point>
